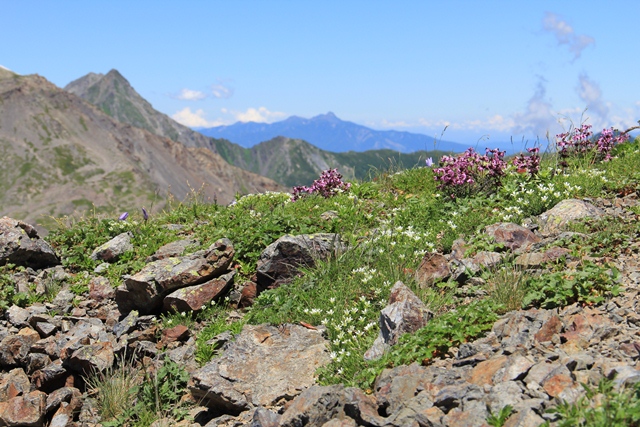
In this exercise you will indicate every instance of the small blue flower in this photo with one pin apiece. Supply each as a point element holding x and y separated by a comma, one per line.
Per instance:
<point>429,162</point>
<point>123,216</point>
<point>145,214</point>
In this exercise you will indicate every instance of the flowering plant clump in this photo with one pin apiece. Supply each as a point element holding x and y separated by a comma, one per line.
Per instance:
<point>578,142</point>
<point>329,184</point>
<point>528,164</point>
<point>471,172</point>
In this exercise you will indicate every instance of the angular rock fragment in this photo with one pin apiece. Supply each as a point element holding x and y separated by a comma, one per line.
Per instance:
<point>513,236</point>
<point>112,250</point>
<point>194,298</point>
<point>14,349</point>
<point>90,358</point>
<point>434,267</point>
<point>405,313</point>
<point>27,410</point>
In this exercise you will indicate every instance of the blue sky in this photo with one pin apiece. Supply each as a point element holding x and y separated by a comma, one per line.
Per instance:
<point>486,69</point>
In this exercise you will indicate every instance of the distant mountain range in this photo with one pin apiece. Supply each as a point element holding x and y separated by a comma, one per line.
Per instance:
<point>329,133</point>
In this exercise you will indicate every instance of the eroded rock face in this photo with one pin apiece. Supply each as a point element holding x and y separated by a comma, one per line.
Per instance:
<point>21,245</point>
<point>281,260</point>
<point>145,290</point>
<point>264,366</point>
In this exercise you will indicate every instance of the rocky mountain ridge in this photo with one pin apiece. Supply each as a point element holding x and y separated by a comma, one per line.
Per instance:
<point>288,161</point>
<point>530,360</point>
<point>67,156</point>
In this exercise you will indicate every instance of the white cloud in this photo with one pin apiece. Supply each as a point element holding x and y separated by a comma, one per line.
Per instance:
<point>195,118</point>
<point>259,115</point>
<point>565,35</point>
<point>221,91</point>
<point>191,95</point>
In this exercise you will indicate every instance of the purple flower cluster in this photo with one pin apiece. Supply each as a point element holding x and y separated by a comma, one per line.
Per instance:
<point>578,142</point>
<point>528,164</point>
<point>470,172</point>
<point>329,183</point>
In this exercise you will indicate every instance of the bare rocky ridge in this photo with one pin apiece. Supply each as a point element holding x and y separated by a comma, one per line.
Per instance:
<point>531,359</point>
<point>113,94</point>
<point>64,155</point>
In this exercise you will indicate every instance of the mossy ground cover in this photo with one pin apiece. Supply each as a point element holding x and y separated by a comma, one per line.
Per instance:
<point>389,223</point>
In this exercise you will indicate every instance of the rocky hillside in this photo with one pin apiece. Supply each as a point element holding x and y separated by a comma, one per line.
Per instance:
<point>63,155</point>
<point>528,361</point>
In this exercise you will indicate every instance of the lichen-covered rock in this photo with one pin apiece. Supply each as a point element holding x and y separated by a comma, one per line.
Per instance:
<point>21,245</point>
<point>553,220</point>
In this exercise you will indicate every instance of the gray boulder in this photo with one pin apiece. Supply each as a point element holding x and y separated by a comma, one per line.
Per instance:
<point>281,260</point>
<point>21,245</point>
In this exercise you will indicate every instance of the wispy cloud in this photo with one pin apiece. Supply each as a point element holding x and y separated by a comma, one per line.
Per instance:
<point>190,95</point>
<point>195,118</point>
<point>221,91</point>
<point>565,35</point>
<point>589,92</point>
<point>538,117</point>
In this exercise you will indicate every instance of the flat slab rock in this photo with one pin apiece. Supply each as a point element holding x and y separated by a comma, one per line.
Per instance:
<point>266,365</point>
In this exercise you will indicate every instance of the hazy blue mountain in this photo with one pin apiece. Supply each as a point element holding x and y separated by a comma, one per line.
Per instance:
<point>328,132</point>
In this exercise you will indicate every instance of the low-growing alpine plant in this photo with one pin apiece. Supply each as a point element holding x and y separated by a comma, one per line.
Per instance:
<point>578,143</point>
<point>329,184</point>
